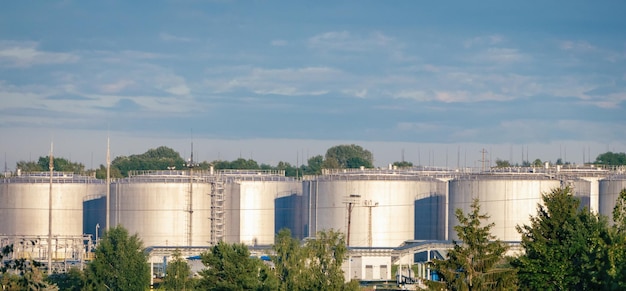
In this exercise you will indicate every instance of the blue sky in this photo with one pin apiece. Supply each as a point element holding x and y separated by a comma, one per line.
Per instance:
<point>285,80</point>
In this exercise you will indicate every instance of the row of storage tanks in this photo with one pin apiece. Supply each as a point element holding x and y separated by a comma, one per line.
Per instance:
<point>375,208</point>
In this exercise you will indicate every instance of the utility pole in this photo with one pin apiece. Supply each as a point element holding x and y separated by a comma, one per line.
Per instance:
<point>108,194</point>
<point>50,211</point>
<point>369,204</point>
<point>190,165</point>
<point>483,161</point>
<point>351,201</point>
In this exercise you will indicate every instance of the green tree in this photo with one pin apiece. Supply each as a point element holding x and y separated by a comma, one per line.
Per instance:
<point>21,274</point>
<point>502,164</point>
<point>348,156</point>
<point>565,246</point>
<point>30,167</point>
<point>230,267</point>
<point>120,263</point>
<point>314,165</point>
<point>160,158</point>
<point>611,159</point>
<point>617,248</point>
<point>326,253</point>
<point>178,274</point>
<point>73,280</point>
<point>289,262</point>
<point>316,265</point>
<point>478,263</point>
<point>403,164</point>
<point>101,173</point>
<point>537,163</point>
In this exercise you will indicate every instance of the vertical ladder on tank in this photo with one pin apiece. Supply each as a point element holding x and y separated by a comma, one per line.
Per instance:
<point>217,210</point>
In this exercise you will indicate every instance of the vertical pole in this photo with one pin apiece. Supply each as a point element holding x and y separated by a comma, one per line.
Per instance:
<point>349,220</point>
<point>50,212</point>
<point>108,198</point>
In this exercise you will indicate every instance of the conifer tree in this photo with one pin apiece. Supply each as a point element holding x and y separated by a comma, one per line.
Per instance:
<point>565,247</point>
<point>477,262</point>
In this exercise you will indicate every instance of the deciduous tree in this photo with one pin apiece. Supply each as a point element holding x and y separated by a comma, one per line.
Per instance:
<point>178,274</point>
<point>230,267</point>
<point>120,263</point>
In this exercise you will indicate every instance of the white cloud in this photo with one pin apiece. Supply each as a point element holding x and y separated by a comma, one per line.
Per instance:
<point>174,38</point>
<point>27,54</point>
<point>501,56</point>
<point>279,42</point>
<point>579,46</point>
<point>117,86</point>
<point>486,40</point>
<point>291,81</point>
<point>345,41</point>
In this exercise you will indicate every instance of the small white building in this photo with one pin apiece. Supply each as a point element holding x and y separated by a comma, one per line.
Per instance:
<point>368,264</point>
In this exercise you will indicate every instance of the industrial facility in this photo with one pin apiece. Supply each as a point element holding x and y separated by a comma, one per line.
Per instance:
<point>387,215</point>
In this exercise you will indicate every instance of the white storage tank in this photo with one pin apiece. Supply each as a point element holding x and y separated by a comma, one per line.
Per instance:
<point>24,209</point>
<point>610,188</point>
<point>165,208</point>
<point>250,199</point>
<point>509,200</point>
<point>381,206</point>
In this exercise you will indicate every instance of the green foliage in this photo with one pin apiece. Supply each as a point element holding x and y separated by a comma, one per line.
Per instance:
<point>617,248</point>
<point>178,274</point>
<point>73,280</point>
<point>502,164</point>
<point>611,159</point>
<point>403,164</point>
<point>30,167</point>
<point>478,263</point>
<point>43,165</point>
<point>230,267</point>
<point>348,156</point>
<point>120,263</point>
<point>101,173</point>
<point>154,159</point>
<point>289,262</point>
<point>537,163</point>
<point>565,246</point>
<point>314,165</point>
<point>238,164</point>
<point>21,274</point>
<point>316,265</point>
<point>326,255</point>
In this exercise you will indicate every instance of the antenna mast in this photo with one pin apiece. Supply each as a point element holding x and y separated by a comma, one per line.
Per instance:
<point>50,211</point>
<point>108,197</point>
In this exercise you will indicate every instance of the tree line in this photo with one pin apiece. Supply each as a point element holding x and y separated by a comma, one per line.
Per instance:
<point>565,247</point>
<point>121,263</point>
<point>164,158</point>
<point>337,157</point>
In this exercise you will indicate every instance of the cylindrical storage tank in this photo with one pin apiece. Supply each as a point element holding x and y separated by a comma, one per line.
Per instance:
<point>289,213</point>
<point>610,188</point>
<point>581,189</point>
<point>94,216</point>
<point>25,205</point>
<point>163,208</point>
<point>250,206</point>
<point>509,200</point>
<point>380,207</point>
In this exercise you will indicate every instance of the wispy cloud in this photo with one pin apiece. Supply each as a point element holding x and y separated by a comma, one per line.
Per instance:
<point>290,81</point>
<point>164,36</point>
<point>487,40</point>
<point>347,42</point>
<point>279,42</point>
<point>27,54</point>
